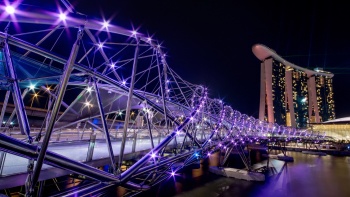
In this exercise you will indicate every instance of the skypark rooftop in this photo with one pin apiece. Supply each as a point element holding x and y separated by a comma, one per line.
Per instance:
<point>263,52</point>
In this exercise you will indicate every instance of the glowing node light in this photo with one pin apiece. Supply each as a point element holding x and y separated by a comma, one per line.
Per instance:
<point>124,82</point>
<point>89,89</point>
<point>112,65</point>
<point>172,173</point>
<point>105,24</point>
<point>153,155</point>
<point>134,32</point>
<point>31,87</point>
<point>63,16</point>
<point>87,103</point>
<point>100,45</point>
<point>10,9</point>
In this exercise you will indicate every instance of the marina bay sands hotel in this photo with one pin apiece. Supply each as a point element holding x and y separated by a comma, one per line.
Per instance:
<point>291,95</point>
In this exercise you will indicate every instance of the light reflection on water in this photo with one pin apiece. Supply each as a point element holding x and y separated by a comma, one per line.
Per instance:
<point>308,175</point>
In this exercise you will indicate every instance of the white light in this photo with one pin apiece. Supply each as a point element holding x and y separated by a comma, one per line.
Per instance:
<point>105,24</point>
<point>149,39</point>
<point>31,87</point>
<point>10,9</point>
<point>153,155</point>
<point>100,45</point>
<point>172,173</point>
<point>112,65</point>
<point>87,103</point>
<point>63,16</point>
<point>11,123</point>
<point>89,89</point>
<point>134,32</point>
<point>124,82</point>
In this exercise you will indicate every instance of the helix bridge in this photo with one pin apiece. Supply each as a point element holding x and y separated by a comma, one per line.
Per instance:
<point>66,78</point>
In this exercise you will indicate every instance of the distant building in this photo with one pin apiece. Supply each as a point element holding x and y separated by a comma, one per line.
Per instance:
<point>291,95</point>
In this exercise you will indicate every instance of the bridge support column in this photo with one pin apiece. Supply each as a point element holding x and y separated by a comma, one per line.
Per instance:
<point>20,110</point>
<point>32,180</point>
<point>128,104</point>
<point>162,92</point>
<point>105,129</point>
<point>4,107</point>
<point>91,147</point>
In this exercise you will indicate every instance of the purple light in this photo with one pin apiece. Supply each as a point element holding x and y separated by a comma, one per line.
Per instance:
<point>153,155</point>
<point>105,24</point>
<point>208,154</point>
<point>100,45</point>
<point>172,173</point>
<point>10,9</point>
<point>63,16</point>
<point>112,65</point>
<point>124,82</point>
<point>134,32</point>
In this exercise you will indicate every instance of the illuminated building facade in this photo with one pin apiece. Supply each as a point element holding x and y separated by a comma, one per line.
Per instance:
<point>292,95</point>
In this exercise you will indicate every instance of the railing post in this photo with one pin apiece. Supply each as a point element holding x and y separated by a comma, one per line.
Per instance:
<point>134,141</point>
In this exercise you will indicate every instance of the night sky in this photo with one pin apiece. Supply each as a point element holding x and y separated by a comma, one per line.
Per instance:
<point>209,42</point>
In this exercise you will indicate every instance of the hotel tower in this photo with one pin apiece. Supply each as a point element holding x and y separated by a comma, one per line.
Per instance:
<point>291,95</point>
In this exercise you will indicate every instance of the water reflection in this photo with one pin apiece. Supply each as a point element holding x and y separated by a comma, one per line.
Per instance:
<point>307,176</point>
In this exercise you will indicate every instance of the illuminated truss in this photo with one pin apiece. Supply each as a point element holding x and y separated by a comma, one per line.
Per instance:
<point>67,72</point>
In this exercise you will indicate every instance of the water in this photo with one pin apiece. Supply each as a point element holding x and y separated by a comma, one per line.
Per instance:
<point>307,176</point>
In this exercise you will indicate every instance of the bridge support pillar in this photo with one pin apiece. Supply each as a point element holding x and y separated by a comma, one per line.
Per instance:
<point>68,68</point>
<point>128,104</point>
<point>91,148</point>
<point>20,110</point>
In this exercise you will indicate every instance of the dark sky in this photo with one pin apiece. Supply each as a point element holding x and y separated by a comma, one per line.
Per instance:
<point>209,41</point>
